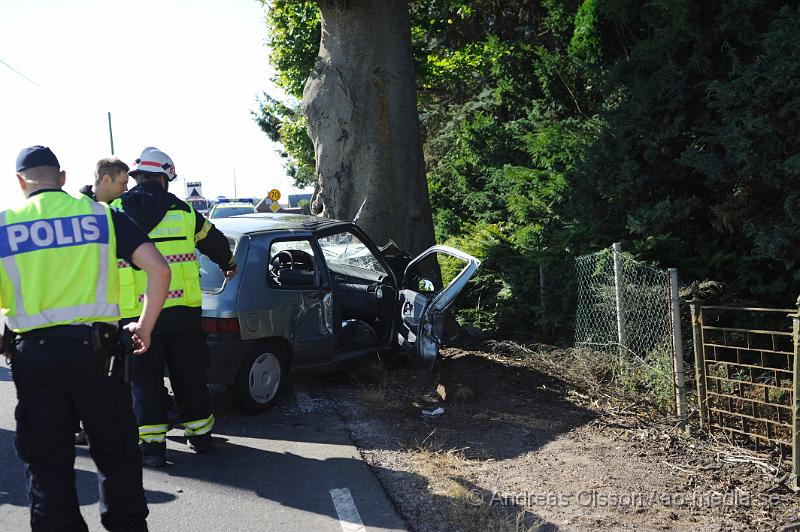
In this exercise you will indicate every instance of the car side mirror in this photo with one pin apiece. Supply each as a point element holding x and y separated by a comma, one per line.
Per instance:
<point>426,286</point>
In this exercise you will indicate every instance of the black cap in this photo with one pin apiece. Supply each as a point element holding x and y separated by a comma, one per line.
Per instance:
<point>36,156</point>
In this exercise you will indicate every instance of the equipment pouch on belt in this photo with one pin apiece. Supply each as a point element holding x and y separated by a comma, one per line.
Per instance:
<point>116,345</point>
<point>9,345</point>
<point>104,338</point>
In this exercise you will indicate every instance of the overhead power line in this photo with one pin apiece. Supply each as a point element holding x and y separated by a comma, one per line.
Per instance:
<point>23,76</point>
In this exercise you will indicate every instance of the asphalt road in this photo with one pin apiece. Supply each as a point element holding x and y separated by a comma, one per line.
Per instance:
<point>293,468</point>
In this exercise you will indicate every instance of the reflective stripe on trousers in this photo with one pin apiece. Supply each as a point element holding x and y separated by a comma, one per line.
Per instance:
<point>153,433</point>
<point>199,427</point>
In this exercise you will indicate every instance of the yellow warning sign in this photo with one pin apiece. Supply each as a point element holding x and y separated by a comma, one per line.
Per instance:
<point>274,194</point>
<point>275,207</point>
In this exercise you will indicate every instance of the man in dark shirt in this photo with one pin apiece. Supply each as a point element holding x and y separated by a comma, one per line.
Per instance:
<point>110,180</point>
<point>178,340</point>
<point>57,373</point>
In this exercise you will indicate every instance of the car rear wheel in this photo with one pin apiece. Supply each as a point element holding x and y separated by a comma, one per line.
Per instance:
<point>261,378</point>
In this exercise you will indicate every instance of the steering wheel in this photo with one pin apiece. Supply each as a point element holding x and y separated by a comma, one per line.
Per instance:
<point>282,259</point>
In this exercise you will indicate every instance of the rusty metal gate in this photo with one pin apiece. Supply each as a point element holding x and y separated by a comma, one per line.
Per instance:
<point>746,370</point>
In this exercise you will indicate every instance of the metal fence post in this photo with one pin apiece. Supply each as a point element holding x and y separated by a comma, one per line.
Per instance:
<point>619,291</point>
<point>795,399</point>
<point>677,347</point>
<point>696,306</point>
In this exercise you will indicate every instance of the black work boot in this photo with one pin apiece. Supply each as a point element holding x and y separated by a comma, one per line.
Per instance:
<point>80,438</point>
<point>154,454</point>
<point>199,444</point>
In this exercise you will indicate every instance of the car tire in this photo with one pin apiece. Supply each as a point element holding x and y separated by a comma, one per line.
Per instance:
<point>261,378</point>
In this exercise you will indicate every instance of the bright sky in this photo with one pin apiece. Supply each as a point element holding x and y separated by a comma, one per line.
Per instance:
<point>180,75</point>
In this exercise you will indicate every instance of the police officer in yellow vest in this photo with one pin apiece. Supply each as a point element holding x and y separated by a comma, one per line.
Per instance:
<point>58,283</point>
<point>178,341</point>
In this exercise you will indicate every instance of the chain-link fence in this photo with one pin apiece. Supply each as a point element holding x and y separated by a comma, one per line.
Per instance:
<point>623,305</point>
<point>625,310</point>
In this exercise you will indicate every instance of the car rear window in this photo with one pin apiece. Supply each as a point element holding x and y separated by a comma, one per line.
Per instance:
<point>211,277</point>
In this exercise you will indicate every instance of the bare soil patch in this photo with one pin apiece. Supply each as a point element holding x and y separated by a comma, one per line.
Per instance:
<point>517,449</point>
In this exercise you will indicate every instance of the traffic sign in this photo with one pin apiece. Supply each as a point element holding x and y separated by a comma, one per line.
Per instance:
<point>194,189</point>
<point>275,194</point>
<point>274,207</point>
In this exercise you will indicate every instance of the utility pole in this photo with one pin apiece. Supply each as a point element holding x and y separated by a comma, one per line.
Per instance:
<point>110,134</point>
<point>234,184</point>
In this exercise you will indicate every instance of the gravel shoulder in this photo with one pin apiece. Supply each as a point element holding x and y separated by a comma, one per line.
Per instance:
<point>516,449</point>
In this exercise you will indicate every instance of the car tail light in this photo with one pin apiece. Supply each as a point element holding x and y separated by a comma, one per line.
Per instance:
<point>221,327</point>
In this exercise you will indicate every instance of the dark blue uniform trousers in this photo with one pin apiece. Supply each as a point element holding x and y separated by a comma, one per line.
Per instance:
<point>58,378</point>
<point>186,356</point>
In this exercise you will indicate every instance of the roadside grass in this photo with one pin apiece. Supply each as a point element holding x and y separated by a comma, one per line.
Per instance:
<point>370,376</point>
<point>374,393</point>
<point>470,507</point>
<point>602,375</point>
<point>479,515</point>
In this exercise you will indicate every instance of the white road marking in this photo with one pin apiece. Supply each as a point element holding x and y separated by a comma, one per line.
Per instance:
<point>347,511</point>
<point>303,399</point>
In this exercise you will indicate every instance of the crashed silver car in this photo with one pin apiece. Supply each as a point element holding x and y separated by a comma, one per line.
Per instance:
<point>312,294</point>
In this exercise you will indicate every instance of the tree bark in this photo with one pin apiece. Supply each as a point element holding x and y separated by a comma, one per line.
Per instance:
<point>361,107</point>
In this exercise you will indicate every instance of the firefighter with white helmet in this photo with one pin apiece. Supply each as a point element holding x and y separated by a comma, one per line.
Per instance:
<point>178,341</point>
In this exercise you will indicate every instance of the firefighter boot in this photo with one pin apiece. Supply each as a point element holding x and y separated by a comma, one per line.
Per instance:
<point>154,454</point>
<point>199,444</point>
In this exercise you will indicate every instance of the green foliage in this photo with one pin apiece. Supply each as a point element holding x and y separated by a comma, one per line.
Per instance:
<point>287,126</point>
<point>649,379</point>
<point>488,302</point>
<point>667,125</point>
<point>585,41</point>
<point>294,34</point>
<point>508,114</point>
<point>697,166</point>
<point>554,128</point>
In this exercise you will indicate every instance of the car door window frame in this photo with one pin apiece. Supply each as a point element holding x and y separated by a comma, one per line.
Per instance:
<point>390,278</point>
<point>320,279</point>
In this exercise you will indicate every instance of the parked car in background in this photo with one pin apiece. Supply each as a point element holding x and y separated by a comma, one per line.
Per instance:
<point>200,204</point>
<point>225,208</point>
<point>312,294</point>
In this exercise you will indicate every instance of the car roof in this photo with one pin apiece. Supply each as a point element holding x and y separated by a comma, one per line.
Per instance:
<point>263,221</point>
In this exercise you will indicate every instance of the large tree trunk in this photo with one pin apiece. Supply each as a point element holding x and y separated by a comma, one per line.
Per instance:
<point>360,103</point>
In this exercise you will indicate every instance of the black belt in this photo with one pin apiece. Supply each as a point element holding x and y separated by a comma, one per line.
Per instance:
<point>79,332</point>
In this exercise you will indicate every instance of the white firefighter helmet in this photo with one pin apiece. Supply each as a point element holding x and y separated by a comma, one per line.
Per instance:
<point>154,161</point>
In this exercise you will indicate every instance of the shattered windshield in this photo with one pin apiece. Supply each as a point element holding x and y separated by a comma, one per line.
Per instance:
<point>346,249</point>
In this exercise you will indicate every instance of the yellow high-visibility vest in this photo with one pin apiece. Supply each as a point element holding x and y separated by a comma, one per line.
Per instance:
<point>58,263</point>
<point>174,238</point>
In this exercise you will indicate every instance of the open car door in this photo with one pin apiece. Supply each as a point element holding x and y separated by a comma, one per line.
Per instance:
<point>421,307</point>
